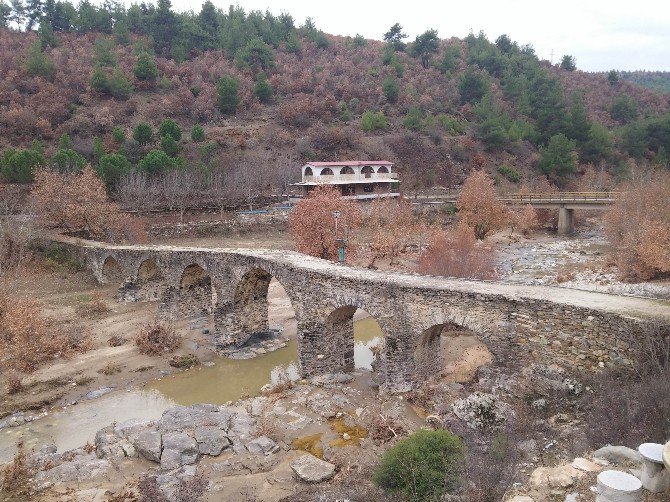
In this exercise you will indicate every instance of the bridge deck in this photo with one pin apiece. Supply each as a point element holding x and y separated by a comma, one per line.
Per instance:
<point>626,305</point>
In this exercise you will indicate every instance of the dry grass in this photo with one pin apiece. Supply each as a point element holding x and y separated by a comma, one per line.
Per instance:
<point>14,385</point>
<point>110,369</point>
<point>28,338</point>
<point>157,338</point>
<point>93,308</point>
<point>16,476</point>
<point>116,341</point>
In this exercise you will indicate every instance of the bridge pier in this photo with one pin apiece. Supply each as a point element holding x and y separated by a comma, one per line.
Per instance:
<point>566,221</point>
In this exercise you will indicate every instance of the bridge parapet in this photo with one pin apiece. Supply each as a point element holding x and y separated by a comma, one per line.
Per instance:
<point>523,324</point>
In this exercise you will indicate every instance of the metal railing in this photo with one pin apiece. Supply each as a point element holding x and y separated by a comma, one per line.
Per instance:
<point>562,197</point>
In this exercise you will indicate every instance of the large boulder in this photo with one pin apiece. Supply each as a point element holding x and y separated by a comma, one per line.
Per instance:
<point>149,445</point>
<point>178,449</point>
<point>211,440</point>
<point>548,379</point>
<point>312,470</point>
<point>482,411</point>
<point>262,445</point>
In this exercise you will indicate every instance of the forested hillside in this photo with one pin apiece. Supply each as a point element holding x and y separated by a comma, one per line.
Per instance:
<point>656,80</point>
<point>222,98</point>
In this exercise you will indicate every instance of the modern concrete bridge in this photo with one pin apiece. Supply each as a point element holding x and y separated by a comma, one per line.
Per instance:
<point>565,202</point>
<point>520,324</point>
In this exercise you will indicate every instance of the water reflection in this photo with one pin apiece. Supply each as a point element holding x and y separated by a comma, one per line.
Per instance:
<point>227,380</point>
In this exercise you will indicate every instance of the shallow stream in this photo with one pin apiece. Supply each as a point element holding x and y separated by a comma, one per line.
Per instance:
<point>227,380</point>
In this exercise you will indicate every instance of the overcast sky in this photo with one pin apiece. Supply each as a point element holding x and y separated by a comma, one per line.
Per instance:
<point>600,34</point>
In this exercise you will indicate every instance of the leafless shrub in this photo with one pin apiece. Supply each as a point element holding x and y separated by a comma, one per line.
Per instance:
<point>282,383</point>
<point>265,426</point>
<point>187,490</point>
<point>631,407</point>
<point>17,475</point>
<point>94,307</point>
<point>157,338</point>
<point>116,341</point>
<point>383,429</point>
<point>14,385</point>
<point>110,369</point>
<point>28,338</point>
<point>15,236</point>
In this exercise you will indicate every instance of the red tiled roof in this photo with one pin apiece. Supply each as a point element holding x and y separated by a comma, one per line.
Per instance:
<point>351,163</point>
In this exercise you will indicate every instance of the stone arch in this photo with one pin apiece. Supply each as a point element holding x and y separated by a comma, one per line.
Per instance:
<point>337,346</point>
<point>112,272</point>
<point>246,312</point>
<point>449,349</point>
<point>367,171</point>
<point>347,170</point>
<point>195,289</point>
<point>150,282</point>
<point>308,171</point>
<point>326,171</point>
<point>383,169</point>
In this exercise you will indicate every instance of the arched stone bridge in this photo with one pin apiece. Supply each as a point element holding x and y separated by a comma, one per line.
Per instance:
<point>524,324</point>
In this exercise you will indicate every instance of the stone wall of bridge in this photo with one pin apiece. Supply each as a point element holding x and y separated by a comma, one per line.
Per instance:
<point>231,286</point>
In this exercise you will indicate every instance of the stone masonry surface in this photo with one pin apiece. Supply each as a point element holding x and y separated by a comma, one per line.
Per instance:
<point>575,329</point>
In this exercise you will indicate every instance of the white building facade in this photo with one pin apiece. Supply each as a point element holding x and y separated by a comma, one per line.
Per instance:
<point>356,179</point>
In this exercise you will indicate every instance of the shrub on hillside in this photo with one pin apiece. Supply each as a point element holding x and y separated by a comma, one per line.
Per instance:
<point>371,121</point>
<point>157,338</point>
<point>423,467</point>
<point>197,133</point>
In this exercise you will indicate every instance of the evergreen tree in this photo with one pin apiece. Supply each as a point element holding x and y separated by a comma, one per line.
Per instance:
<point>34,12</point>
<point>394,37</point>
<point>103,52</point>
<point>98,149</point>
<point>413,119</point>
<point>5,14</point>
<point>111,168</point>
<point>145,68</point>
<point>568,63</point>
<point>164,27</point>
<point>559,156</point>
<point>99,81</point>
<point>18,14</point>
<point>197,133</point>
<point>580,126</point>
<point>169,128</point>
<point>262,88</point>
<point>169,146</point>
<point>142,133</point>
<point>120,85</point>
<point>424,46</point>
<point>226,90</point>
<point>391,89</point>
<point>65,142</point>
<point>38,63</point>
<point>472,86</point>
<point>119,135</point>
<point>613,77</point>
<point>257,55</point>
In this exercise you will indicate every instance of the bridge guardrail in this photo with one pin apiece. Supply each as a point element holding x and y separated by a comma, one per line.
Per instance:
<point>563,196</point>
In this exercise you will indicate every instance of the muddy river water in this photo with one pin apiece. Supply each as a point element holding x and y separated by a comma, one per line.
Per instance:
<point>227,380</point>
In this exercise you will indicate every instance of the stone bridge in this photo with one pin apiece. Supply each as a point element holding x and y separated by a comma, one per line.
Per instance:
<point>521,324</point>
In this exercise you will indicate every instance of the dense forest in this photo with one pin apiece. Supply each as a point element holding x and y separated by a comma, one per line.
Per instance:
<point>243,97</point>
<point>656,80</point>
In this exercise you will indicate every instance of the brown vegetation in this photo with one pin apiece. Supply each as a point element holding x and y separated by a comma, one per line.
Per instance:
<point>478,205</point>
<point>28,338</point>
<point>456,253</point>
<point>17,475</point>
<point>393,226</point>
<point>78,204</point>
<point>638,226</point>
<point>312,223</point>
<point>157,338</point>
